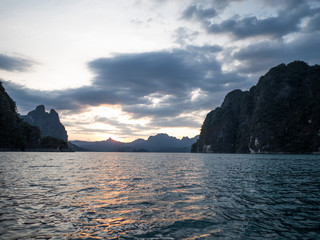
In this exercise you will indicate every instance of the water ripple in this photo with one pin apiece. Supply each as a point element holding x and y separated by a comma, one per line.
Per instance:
<point>158,196</point>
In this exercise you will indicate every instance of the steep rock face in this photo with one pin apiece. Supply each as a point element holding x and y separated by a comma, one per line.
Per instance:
<point>15,134</point>
<point>280,114</point>
<point>49,123</point>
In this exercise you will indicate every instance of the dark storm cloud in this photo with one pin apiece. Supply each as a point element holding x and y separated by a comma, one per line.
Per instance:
<point>146,73</point>
<point>27,99</point>
<point>168,77</point>
<point>288,20</point>
<point>206,9</point>
<point>251,27</point>
<point>286,4</point>
<point>199,13</point>
<point>262,56</point>
<point>154,84</point>
<point>74,100</point>
<point>205,49</point>
<point>10,63</point>
<point>172,73</point>
<point>174,106</point>
<point>313,23</point>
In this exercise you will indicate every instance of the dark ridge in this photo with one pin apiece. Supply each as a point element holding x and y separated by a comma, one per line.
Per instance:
<point>281,114</point>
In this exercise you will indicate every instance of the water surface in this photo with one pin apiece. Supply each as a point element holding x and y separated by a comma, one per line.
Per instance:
<point>159,196</point>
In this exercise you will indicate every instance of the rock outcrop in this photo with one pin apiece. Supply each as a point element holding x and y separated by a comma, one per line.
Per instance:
<point>49,123</point>
<point>280,114</point>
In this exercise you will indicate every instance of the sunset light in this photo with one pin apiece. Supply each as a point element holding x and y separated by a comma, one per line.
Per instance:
<point>150,62</point>
<point>159,119</point>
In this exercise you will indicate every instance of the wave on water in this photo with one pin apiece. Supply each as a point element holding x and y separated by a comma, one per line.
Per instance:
<point>159,196</point>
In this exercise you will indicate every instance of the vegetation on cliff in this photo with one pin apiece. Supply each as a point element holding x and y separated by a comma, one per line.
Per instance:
<point>280,114</point>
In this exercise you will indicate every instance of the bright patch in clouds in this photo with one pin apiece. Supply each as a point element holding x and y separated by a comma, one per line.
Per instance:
<point>130,69</point>
<point>104,122</point>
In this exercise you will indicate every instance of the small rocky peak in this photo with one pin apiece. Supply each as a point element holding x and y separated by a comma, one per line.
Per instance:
<point>233,97</point>
<point>39,112</point>
<point>54,114</point>
<point>40,108</point>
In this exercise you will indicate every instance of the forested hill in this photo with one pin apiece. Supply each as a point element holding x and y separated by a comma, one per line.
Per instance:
<point>280,114</point>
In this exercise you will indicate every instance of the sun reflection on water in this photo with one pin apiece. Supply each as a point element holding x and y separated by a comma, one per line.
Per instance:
<point>126,199</point>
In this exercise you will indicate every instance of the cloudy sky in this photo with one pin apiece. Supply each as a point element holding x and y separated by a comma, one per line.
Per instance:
<point>133,68</point>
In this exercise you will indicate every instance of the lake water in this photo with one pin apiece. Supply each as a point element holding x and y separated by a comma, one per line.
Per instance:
<point>159,196</point>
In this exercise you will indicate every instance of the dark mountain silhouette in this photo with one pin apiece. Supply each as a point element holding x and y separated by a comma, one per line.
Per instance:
<point>280,114</point>
<point>49,123</point>
<point>16,134</point>
<point>158,143</point>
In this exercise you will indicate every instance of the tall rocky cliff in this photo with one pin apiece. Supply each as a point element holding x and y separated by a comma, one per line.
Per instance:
<point>49,123</point>
<point>280,114</point>
<point>15,134</point>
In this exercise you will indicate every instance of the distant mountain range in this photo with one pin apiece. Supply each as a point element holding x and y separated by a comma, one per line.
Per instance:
<point>158,143</point>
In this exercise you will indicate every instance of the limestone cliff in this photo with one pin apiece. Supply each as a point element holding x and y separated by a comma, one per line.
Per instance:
<point>49,123</point>
<point>280,114</point>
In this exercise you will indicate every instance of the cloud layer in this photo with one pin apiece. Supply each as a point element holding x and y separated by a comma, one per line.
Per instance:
<point>158,84</point>
<point>171,86</point>
<point>10,63</point>
<point>288,19</point>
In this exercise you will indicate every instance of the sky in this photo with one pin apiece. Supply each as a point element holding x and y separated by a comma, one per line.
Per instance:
<point>130,69</point>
